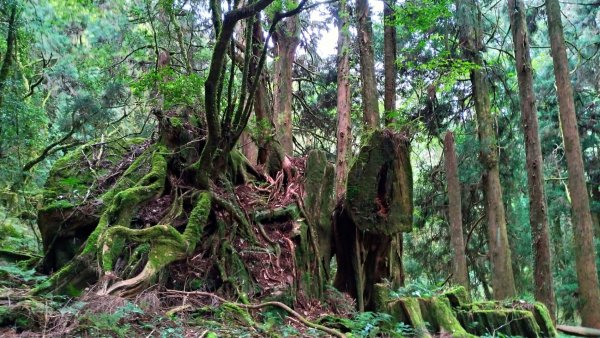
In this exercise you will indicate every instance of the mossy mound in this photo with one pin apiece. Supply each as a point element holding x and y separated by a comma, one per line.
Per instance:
<point>79,170</point>
<point>72,200</point>
<point>452,313</point>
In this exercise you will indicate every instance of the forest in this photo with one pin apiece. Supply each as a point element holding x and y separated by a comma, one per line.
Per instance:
<point>299,168</point>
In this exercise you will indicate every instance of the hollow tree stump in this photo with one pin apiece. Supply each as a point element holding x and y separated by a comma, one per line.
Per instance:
<point>369,221</point>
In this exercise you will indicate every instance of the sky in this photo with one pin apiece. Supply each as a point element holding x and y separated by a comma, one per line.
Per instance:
<point>328,42</point>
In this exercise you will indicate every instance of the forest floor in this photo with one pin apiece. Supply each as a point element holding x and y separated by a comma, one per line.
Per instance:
<point>165,313</point>
<point>161,312</point>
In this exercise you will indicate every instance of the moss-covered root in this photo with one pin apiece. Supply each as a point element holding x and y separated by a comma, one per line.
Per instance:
<point>120,202</point>
<point>166,246</point>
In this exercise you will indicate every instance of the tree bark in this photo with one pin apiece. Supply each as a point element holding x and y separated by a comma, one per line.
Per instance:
<point>344,130</point>
<point>389,59</point>
<point>585,255</point>
<point>248,147</point>
<point>264,116</point>
<point>460,274</point>
<point>389,106</point>
<point>286,42</point>
<point>471,37</point>
<point>11,37</point>
<point>538,217</point>
<point>378,206</point>
<point>367,65</point>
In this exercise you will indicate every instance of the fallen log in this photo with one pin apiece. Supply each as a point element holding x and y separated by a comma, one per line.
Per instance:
<point>579,331</point>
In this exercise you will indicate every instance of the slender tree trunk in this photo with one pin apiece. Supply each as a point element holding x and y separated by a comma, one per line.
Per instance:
<point>262,111</point>
<point>7,62</point>
<point>557,241</point>
<point>367,65</point>
<point>286,41</point>
<point>585,255</point>
<point>538,217</point>
<point>595,194</point>
<point>471,37</point>
<point>344,130</point>
<point>389,59</point>
<point>460,274</point>
<point>389,105</point>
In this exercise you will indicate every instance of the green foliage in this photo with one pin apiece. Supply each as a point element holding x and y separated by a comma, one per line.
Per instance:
<point>176,89</point>
<point>114,324</point>
<point>8,272</point>
<point>421,15</point>
<point>421,288</point>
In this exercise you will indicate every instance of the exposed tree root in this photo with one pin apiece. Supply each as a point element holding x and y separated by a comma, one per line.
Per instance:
<point>121,202</point>
<point>280,305</point>
<point>166,246</point>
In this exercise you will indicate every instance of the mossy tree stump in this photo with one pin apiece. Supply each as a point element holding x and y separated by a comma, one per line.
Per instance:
<point>453,313</point>
<point>369,221</point>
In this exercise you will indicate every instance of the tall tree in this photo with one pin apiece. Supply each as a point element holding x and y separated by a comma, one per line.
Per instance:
<point>344,129</point>
<point>7,62</point>
<point>538,211</point>
<point>471,41</point>
<point>286,40</point>
<point>389,106</point>
<point>389,59</point>
<point>587,274</point>
<point>460,274</point>
<point>367,65</point>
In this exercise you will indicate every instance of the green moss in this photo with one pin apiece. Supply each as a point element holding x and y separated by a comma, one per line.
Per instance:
<point>58,205</point>
<point>230,311</point>
<point>72,291</point>
<point>544,321</point>
<point>71,175</point>
<point>441,315</point>
<point>412,311</point>
<point>176,122</point>
<point>506,321</point>
<point>457,296</point>
<point>379,187</point>
<point>197,220</point>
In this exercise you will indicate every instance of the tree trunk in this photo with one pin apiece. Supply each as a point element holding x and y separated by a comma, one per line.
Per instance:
<point>248,148</point>
<point>344,129</point>
<point>389,59</point>
<point>585,255</point>
<point>286,42</point>
<point>377,207</point>
<point>268,151</point>
<point>11,37</point>
<point>538,217</point>
<point>460,274</point>
<point>367,65</point>
<point>471,36</point>
<point>389,105</point>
